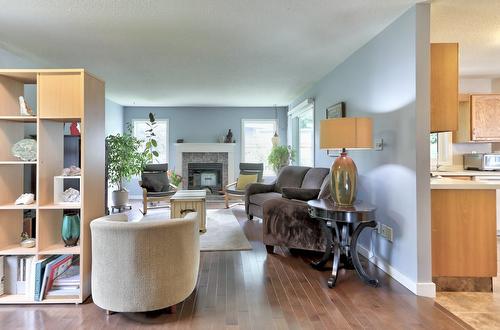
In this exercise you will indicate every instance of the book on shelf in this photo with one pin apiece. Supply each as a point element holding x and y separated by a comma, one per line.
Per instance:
<point>39,275</point>
<point>53,269</point>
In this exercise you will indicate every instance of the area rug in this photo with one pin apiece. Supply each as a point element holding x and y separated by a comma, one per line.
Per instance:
<point>223,233</point>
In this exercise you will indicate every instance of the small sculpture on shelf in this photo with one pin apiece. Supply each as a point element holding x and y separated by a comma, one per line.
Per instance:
<point>71,171</point>
<point>24,107</point>
<point>27,241</point>
<point>229,137</point>
<point>70,229</point>
<point>25,199</point>
<point>71,195</point>
<point>74,129</point>
<point>25,149</point>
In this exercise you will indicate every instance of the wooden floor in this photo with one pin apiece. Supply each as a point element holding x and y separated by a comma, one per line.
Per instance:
<point>254,290</point>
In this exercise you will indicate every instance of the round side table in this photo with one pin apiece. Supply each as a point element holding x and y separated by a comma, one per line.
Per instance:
<point>341,227</point>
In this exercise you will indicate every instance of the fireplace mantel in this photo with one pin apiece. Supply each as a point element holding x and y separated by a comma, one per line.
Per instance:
<point>229,148</point>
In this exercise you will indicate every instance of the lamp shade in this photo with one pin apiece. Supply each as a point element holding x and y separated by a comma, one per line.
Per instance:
<point>349,133</point>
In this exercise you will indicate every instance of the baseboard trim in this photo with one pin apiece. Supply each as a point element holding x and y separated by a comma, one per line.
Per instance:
<point>420,289</point>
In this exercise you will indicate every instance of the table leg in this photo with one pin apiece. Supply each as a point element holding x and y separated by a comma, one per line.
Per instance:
<point>336,257</point>
<point>327,233</point>
<point>354,253</point>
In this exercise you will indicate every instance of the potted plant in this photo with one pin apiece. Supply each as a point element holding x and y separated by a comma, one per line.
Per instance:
<point>124,161</point>
<point>281,156</point>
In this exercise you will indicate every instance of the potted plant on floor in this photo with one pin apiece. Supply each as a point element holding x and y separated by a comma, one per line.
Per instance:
<point>281,156</point>
<point>125,159</point>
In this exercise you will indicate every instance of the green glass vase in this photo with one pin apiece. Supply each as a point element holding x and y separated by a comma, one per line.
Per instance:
<point>70,229</point>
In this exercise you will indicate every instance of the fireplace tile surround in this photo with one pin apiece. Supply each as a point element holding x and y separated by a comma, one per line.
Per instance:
<point>206,153</point>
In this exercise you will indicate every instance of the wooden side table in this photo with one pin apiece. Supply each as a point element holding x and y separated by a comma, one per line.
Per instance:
<point>341,227</point>
<point>185,201</point>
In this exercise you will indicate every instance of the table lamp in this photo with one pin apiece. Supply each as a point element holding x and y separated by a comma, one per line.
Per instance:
<point>345,133</point>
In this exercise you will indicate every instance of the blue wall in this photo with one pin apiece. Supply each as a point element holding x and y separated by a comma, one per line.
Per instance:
<point>203,124</point>
<point>113,118</point>
<point>387,80</point>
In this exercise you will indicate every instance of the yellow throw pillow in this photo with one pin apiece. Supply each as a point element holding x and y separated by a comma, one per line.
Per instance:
<point>244,180</point>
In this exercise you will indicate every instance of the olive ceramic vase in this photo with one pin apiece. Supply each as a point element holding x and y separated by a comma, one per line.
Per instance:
<point>70,229</point>
<point>344,177</point>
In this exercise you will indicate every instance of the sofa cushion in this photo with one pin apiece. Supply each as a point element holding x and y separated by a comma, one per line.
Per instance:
<point>244,180</point>
<point>300,193</point>
<point>259,199</point>
<point>314,178</point>
<point>291,176</point>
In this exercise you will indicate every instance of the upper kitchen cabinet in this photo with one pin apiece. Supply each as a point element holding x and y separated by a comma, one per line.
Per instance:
<point>479,116</point>
<point>444,87</point>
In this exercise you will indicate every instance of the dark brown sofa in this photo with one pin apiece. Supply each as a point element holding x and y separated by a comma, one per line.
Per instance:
<point>283,207</point>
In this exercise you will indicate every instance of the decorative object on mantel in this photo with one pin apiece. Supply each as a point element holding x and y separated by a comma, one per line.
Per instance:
<point>281,156</point>
<point>27,241</point>
<point>276,138</point>
<point>72,171</point>
<point>24,107</point>
<point>70,229</point>
<point>335,111</point>
<point>229,137</point>
<point>180,140</point>
<point>25,199</point>
<point>345,133</point>
<point>74,129</point>
<point>71,195</point>
<point>25,149</point>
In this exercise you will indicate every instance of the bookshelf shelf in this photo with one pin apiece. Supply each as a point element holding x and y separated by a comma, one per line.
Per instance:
<point>15,249</point>
<point>60,249</point>
<point>23,119</point>
<point>61,206</point>
<point>62,96</point>
<point>12,206</point>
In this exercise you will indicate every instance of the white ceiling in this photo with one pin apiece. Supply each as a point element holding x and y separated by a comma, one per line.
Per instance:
<point>475,25</point>
<point>196,52</point>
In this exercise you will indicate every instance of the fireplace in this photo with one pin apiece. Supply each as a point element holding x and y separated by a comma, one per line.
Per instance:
<point>205,176</point>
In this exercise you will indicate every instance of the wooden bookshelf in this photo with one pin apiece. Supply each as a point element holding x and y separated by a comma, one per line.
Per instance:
<point>63,96</point>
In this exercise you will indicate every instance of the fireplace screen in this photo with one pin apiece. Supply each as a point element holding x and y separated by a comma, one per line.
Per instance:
<point>205,176</point>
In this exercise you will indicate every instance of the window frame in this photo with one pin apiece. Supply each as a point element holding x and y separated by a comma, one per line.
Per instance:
<point>293,127</point>
<point>242,146</point>
<point>167,136</point>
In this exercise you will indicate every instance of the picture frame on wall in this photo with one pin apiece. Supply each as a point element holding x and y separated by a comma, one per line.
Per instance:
<point>335,111</point>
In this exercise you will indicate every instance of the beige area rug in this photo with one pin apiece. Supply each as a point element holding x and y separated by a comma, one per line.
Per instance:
<point>223,233</point>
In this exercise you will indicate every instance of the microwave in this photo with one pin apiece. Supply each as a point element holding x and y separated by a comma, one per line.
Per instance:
<point>482,162</point>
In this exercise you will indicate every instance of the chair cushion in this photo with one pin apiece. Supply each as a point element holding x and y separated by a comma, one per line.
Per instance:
<point>291,176</point>
<point>155,181</point>
<point>244,180</point>
<point>259,199</point>
<point>302,194</point>
<point>314,178</point>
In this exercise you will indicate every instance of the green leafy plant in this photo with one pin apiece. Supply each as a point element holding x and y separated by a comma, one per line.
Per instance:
<point>174,178</point>
<point>151,143</point>
<point>280,156</point>
<point>124,158</point>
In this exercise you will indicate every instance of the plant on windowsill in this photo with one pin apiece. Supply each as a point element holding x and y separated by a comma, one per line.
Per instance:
<point>124,161</point>
<point>280,156</point>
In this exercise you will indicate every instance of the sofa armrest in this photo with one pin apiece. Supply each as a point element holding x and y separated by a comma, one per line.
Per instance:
<point>256,188</point>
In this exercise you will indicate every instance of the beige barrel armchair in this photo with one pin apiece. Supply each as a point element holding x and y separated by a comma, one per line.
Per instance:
<point>146,265</point>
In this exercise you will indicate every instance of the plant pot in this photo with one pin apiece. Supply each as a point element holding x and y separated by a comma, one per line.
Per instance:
<point>119,198</point>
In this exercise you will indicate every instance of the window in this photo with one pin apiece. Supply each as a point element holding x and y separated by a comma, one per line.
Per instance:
<point>301,128</point>
<point>441,150</point>
<point>161,131</point>
<point>256,141</point>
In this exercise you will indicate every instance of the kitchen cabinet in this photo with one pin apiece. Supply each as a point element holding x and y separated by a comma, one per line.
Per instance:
<point>478,118</point>
<point>444,87</point>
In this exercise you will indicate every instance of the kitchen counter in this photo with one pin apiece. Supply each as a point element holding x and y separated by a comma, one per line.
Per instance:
<point>465,173</point>
<point>448,183</point>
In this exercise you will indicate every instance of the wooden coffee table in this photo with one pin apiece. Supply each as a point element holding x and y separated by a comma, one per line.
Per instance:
<point>185,201</point>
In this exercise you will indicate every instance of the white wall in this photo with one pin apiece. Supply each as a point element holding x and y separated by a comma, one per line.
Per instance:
<point>475,85</point>
<point>388,80</point>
